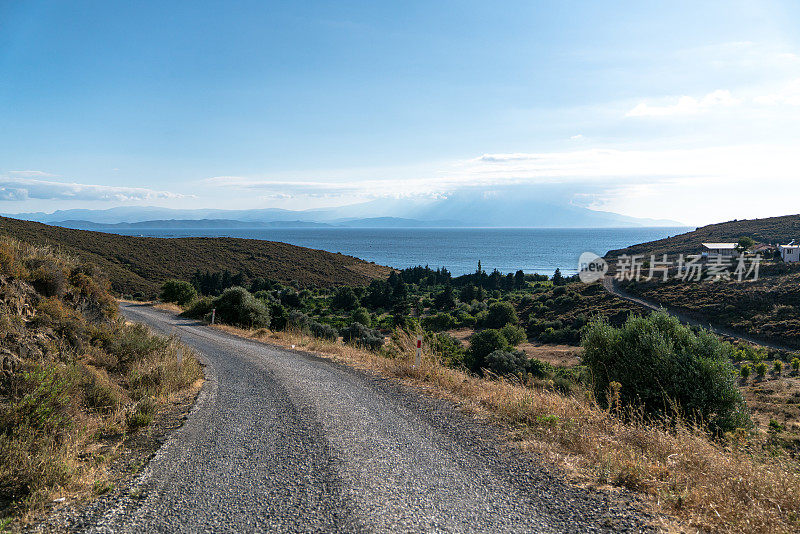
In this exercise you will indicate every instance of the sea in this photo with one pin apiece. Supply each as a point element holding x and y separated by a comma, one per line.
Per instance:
<point>533,250</point>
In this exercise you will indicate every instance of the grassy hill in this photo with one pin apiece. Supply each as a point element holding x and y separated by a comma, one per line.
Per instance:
<point>771,230</point>
<point>140,264</point>
<point>768,308</point>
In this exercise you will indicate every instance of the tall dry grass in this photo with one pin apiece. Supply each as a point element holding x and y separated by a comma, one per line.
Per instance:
<point>81,378</point>
<point>735,484</point>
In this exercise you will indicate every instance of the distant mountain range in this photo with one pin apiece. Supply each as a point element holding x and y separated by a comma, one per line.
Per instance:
<point>512,208</point>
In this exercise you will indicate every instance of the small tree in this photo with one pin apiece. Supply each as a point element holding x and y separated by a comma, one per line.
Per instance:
<point>446,300</point>
<point>663,365</point>
<point>519,280</point>
<point>501,314</point>
<point>777,367</point>
<point>178,291</point>
<point>558,278</point>
<point>761,369</point>
<point>795,365</point>
<point>344,299</point>
<point>744,372</point>
<point>513,334</point>
<point>361,315</point>
<point>239,307</point>
<point>482,344</point>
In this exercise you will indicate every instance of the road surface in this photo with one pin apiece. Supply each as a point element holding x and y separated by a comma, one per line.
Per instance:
<point>283,441</point>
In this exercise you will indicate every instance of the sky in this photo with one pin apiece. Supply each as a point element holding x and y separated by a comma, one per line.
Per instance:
<point>688,111</point>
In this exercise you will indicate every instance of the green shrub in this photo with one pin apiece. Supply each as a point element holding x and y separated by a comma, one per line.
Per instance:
<point>538,368</point>
<point>178,291</point>
<point>323,331</point>
<point>795,365</point>
<point>358,334</point>
<point>361,315</point>
<point>777,367</point>
<point>238,307</point>
<point>761,369</point>
<point>438,322</point>
<point>745,371</point>
<point>483,343</point>
<point>513,334</point>
<point>501,314</point>
<point>344,299</point>
<point>298,321</point>
<point>199,308</point>
<point>506,362</point>
<point>278,318</point>
<point>47,406</point>
<point>663,366</point>
<point>447,348</point>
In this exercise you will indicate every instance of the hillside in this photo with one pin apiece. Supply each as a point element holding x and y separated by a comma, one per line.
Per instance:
<point>75,380</point>
<point>770,231</point>
<point>138,265</point>
<point>767,308</point>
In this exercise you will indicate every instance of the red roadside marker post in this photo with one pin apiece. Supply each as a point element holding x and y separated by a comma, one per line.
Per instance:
<point>419,351</point>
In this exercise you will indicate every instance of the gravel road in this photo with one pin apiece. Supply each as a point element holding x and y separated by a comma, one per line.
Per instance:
<point>283,441</point>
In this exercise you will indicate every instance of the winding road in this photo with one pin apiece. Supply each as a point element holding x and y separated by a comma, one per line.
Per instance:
<point>283,441</point>
<point>610,285</point>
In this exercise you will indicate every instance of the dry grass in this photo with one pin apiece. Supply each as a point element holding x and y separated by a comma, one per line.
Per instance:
<point>731,485</point>
<point>81,379</point>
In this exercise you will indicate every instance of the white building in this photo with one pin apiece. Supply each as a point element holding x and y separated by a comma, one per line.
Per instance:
<point>790,253</point>
<point>719,249</point>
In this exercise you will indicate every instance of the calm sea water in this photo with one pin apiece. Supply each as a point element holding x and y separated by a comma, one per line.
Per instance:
<point>534,250</point>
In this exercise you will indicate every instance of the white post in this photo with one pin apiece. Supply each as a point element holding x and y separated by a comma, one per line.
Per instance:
<point>213,314</point>
<point>419,351</point>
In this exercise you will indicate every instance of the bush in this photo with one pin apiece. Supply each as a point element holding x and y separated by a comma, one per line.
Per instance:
<point>178,291</point>
<point>358,334</point>
<point>501,314</point>
<point>662,366</point>
<point>344,299</point>
<point>361,315</point>
<point>777,367</point>
<point>438,322</point>
<point>448,349</point>
<point>538,368</point>
<point>482,344</point>
<point>323,331</point>
<point>49,280</point>
<point>513,334</point>
<point>199,308</point>
<point>761,369</point>
<point>278,316</point>
<point>745,371</point>
<point>506,362</point>
<point>795,365</point>
<point>238,307</point>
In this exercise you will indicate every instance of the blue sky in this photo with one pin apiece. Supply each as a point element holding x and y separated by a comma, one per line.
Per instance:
<point>654,109</point>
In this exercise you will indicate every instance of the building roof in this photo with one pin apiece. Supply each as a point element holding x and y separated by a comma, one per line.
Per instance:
<point>720,246</point>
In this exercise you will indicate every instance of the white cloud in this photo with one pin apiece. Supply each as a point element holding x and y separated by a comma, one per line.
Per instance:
<point>598,168</point>
<point>686,105</point>
<point>16,189</point>
<point>32,174</point>
<point>786,95</point>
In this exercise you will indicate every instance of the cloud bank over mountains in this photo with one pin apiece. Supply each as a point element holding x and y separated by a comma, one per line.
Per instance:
<point>21,188</point>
